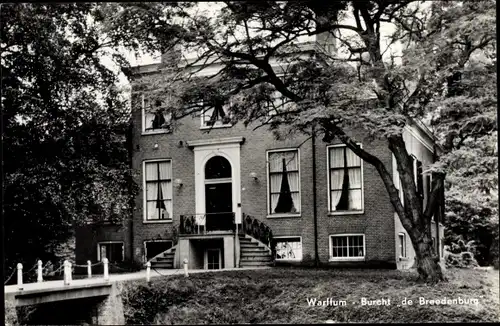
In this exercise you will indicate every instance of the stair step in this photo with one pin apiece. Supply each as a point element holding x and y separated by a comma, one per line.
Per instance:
<point>172,254</point>
<point>255,263</point>
<point>249,245</point>
<point>254,253</point>
<point>164,259</point>
<point>253,249</point>
<point>256,258</point>
<point>162,265</point>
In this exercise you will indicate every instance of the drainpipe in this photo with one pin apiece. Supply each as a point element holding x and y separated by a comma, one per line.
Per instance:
<point>315,208</point>
<point>130,148</point>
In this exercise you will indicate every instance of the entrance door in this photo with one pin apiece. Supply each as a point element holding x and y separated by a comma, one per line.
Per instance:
<point>213,258</point>
<point>219,206</point>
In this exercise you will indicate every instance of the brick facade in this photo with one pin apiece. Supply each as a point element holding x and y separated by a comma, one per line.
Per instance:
<point>377,222</point>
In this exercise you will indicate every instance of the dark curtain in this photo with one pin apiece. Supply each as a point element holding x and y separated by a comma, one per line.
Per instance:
<point>285,202</point>
<point>218,113</point>
<point>343,204</point>
<point>160,204</point>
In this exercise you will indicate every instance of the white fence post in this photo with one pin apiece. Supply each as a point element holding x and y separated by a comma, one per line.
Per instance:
<point>40,272</point>
<point>185,267</point>
<point>67,272</point>
<point>106,270</point>
<point>89,269</point>
<point>148,271</point>
<point>20,276</point>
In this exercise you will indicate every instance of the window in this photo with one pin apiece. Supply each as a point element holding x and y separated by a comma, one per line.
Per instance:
<point>347,247</point>
<point>113,251</point>
<point>284,183</point>
<point>289,248</point>
<point>419,180</point>
<point>423,188</point>
<point>345,179</point>
<point>213,258</point>
<point>216,116</point>
<point>156,118</point>
<point>156,247</point>
<point>402,245</point>
<point>158,188</point>
<point>217,167</point>
<point>428,187</point>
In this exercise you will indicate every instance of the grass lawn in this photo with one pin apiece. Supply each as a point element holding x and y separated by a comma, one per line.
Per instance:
<point>279,295</point>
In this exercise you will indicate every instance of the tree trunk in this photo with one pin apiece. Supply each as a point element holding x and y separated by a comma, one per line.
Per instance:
<point>426,262</point>
<point>419,230</point>
<point>414,220</point>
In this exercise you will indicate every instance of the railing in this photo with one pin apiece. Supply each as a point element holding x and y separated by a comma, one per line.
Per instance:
<point>203,223</point>
<point>67,269</point>
<point>259,230</point>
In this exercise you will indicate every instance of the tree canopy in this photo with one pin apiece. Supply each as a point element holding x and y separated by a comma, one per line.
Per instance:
<point>342,79</point>
<point>65,122</point>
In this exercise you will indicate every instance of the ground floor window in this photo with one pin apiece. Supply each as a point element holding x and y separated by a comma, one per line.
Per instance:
<point>112,250</point>
<point>288,248</point>
<point>213,258</point>
<point>155,247</point>
<point>347,247</point>
<point>402,245</point>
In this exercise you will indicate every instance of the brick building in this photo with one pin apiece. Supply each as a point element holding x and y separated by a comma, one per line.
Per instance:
<point>211,191</point>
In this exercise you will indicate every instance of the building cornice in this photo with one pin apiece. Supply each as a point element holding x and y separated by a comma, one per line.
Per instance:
<point>215,141</point>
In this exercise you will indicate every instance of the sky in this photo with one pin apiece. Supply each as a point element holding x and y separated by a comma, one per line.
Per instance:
<point>209,9</point>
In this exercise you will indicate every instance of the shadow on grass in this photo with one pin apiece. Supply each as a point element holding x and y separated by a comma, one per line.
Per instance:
<point>279,295</point>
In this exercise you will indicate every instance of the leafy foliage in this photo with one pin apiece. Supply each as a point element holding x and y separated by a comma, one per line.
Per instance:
<point>248,51</point>
<point>65,126</point>
<point>460,255</point>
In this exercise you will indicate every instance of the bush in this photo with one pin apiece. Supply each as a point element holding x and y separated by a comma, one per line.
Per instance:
<point>143,302</point>
<point>460,255</point>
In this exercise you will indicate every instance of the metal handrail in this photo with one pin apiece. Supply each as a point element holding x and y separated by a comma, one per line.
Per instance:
<point>259,230</point>
<point>189,224</point>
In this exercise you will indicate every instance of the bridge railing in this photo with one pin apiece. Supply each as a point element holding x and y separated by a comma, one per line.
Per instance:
<point>67,269</point>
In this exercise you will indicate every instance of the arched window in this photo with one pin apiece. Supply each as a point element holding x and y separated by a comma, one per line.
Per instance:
<point>217,168</point>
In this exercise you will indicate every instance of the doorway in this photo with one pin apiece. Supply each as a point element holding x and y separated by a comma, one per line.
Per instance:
<point>218,195</point>
<point>214,258</point>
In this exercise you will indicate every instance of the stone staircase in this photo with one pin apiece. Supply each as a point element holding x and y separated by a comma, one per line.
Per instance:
<point>165,259</point>
<point>254,253</point>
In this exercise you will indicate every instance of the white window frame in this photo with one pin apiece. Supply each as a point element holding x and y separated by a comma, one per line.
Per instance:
<point>330,249</point>
<point>301,248</point>
<point>143,121</point>
<point>276,215</point>
<point>402,245</point>
<point>333,213</point>
<point>205,265</point>
<point>109,242</point>
<point>159,240</point>
<point>144,199</point>
<point>215,125</point>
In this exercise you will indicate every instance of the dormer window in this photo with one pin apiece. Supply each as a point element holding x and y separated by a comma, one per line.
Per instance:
<point>156,117</point>
<point>216,116</point>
